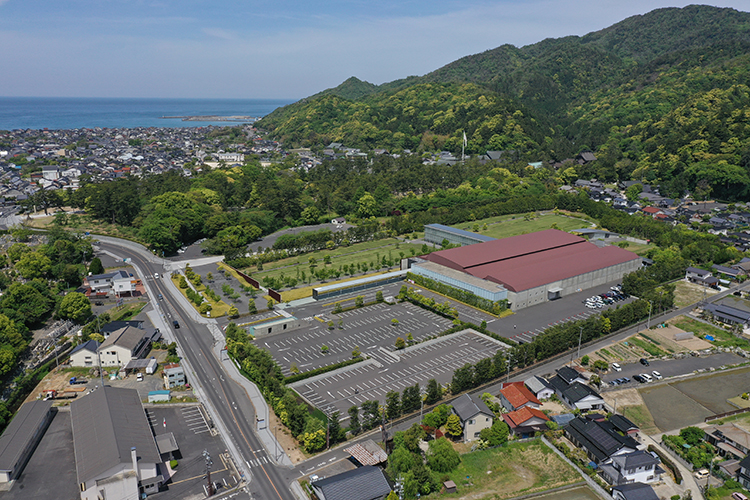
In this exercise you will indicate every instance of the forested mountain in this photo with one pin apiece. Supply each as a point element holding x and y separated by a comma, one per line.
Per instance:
<point>661,97</point>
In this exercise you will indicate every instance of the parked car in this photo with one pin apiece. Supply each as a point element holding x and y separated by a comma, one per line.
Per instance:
<point>639,379</point>
<point>139,377</point>
<point>646,377</point>
<point>644,362</point>
<point>626,380</point>
<point>98,303</point>
<point>701,474</point>
<point>656,375</point>
<point>616,367</point>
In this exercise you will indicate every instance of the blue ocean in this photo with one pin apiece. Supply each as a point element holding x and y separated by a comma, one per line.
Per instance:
<point>57,113</point>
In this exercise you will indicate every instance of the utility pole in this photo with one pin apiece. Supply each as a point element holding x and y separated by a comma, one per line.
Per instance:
<point>210,486</point>
<point>580,336</point>
<point>648,323</point>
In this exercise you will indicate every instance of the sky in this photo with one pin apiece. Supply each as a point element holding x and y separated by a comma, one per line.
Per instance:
<point>283,49</point>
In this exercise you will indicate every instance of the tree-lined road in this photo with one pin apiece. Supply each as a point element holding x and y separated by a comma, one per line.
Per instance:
<point>228,399</point>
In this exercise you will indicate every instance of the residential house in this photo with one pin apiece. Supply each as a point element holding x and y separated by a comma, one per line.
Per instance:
<point>570,375</point>
<point>728,314</point>
<point>474,415</point>
<point>230,157</point>
<point>634,491</point>
<point>539,387</point>
<point>731,272</point>
<point>85,354</point>
<point>364,483</point>
<point>599,439</point>
<point>700,276</point>
<point>122,346</point>
<point>116,455</point>
<point>516,396</point>
<point>113,326</point>
<point>731,440</point>
<point>526,421</point>
<point>743,476</point>
<point>623,425</point>
<point>581,397</point>
<point>174,376</point>
<point>636,467</point>
<point>118,282</point>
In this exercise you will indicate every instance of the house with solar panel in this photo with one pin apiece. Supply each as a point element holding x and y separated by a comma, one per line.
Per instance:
<point>599,439</point>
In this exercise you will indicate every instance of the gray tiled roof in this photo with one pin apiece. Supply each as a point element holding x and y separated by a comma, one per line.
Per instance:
<point>637,491</point>
<point>128,338</point>
<point>21,429</point>
<point>106,425</point>
<point>364,483</point>
<point>468,406</point>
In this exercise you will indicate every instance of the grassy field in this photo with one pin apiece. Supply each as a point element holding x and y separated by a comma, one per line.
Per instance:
<point>641,417</point>
<point>509,471</point>
<point>639,248</point>
<point>513,225</point>
<point>369,251</point>
<point>701,329</point>
<point>689,293</point>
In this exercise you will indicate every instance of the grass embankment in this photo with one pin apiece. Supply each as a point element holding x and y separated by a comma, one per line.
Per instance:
<point>218,309</point>
<point>513,225</point>
<point>722,337</point>
<point>509,471</point>
<point>127,311</point>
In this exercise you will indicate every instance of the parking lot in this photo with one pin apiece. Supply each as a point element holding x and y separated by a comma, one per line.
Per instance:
<point>393,371</point>
<point>671,367</point>
<point>370,329</point>
<point>193,435</point>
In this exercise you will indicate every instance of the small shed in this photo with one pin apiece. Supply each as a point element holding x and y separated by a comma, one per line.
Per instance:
<point>159,396</point>
<point>449,487</point>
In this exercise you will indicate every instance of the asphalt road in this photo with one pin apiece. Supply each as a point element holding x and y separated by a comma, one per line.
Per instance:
<point>227,398</point>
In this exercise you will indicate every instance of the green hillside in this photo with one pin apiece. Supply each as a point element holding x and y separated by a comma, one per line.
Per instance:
<point>660,97</point>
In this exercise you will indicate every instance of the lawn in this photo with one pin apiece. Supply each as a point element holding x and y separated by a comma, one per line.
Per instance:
<point>513,225</point>
<point>509,471</point>
<point>127,311</point>
<point>701,329</point>
<point>370,252</point>
<point>641,417</point>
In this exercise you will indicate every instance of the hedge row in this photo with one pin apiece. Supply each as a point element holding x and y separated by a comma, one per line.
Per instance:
<point>460,295</point>
<point>323,369</point>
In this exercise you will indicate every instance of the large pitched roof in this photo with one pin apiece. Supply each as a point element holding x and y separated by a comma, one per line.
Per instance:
<point>90,345</point>
<point>637,491</point>
<point>530,260</point>
<point>467,406</point>
<point>364,483</point>
<point>106,425</point>
<point>577,391</point>
<point>16,436</point>
<point>128,338</point>
<point>599,438</point>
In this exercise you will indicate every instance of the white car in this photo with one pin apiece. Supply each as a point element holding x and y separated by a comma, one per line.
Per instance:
<point>656,375</point>
<point>616,367</point>
<point>156,276</point>
<point>647,377</point>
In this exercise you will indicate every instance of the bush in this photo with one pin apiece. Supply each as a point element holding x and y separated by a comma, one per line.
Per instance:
<point>173,464</point>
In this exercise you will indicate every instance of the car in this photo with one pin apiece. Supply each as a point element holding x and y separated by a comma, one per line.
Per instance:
<point>156,276</point>
<point>646,377</point>
<point>644,362</point>
<point>615,382</point>
<point>176,324</point>
<point>656,375</point>
<point>161,297</point>
<point>639,379</point>
<point>139,377</point>
<point>626,380</point>
<point>616,367</point>
<point>701,474</point>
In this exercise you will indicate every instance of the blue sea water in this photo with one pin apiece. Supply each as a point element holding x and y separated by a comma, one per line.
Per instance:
<point>57,113</point>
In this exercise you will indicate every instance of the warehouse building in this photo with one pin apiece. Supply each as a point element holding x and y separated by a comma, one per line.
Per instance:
<point>436,233</point>
<point>528,269</point>
<point>21,437</point>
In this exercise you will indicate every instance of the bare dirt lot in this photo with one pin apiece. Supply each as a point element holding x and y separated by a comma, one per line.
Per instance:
<point>667,336</point>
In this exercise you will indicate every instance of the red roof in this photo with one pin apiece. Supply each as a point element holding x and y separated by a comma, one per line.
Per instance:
<point>531,260</point>
<point>518,396</point>
<point>651,210</point>
<point>519,417</point>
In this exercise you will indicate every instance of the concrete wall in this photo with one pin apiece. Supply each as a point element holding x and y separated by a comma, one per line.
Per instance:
<point>574,284</point>
<point>277,326</point>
